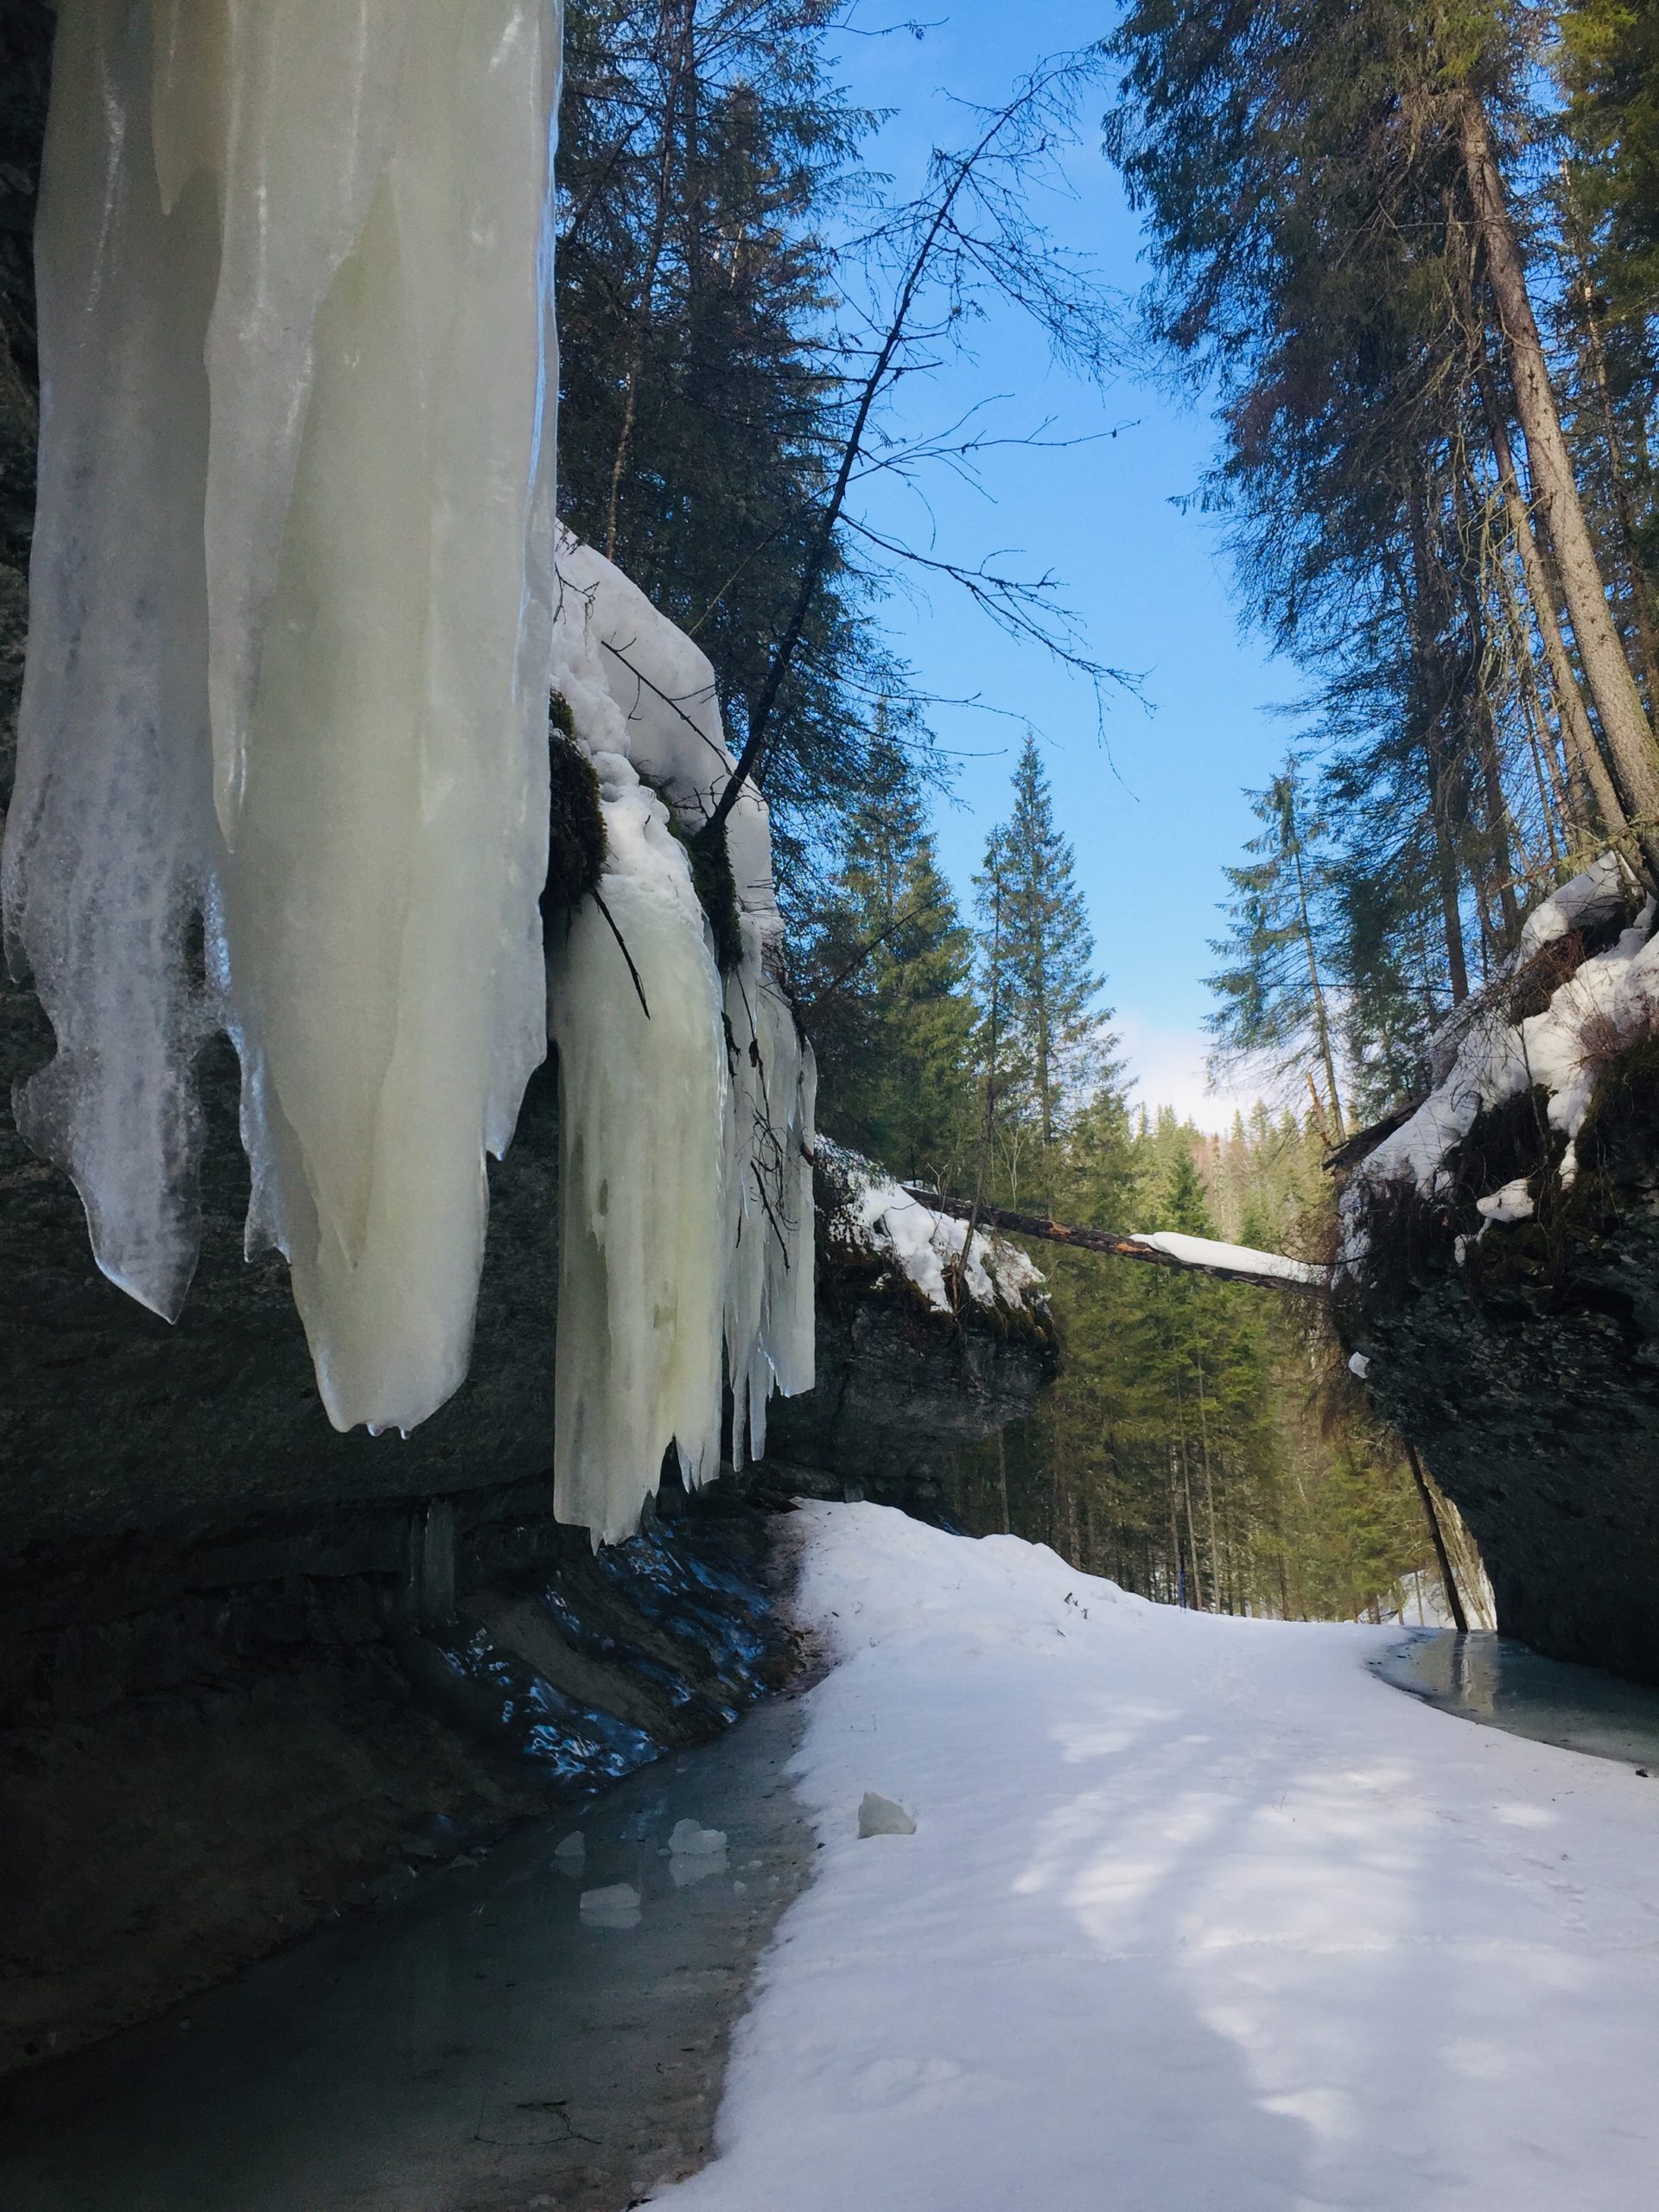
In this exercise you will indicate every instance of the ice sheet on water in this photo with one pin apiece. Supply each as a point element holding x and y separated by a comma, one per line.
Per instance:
<point>691,1840</point>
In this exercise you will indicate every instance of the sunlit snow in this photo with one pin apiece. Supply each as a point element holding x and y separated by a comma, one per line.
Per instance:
<point>1196,1912</point>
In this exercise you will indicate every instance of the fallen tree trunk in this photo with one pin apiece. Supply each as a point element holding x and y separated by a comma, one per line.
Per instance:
<point>1163,1247</point>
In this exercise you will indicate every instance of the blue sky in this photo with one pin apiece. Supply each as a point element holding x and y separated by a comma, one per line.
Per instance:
<point>1156,814</point>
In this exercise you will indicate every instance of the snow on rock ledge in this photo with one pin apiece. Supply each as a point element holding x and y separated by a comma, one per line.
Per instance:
<point>877,1220</point>
<point>1493,1050</point>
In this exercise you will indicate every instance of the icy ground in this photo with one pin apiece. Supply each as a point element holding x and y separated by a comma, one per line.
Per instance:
<point>1197,1913</point>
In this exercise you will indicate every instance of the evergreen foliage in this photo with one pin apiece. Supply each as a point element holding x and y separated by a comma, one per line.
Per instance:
<point>1273,1004</point>
<point>884,984</point>
<point>1042,1038</point>
<point>1353,242</point>
<point>702,151</point>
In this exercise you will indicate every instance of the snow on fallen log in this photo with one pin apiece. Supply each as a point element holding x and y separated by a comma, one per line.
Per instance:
<point>912,1238</point>
<point>1164,1247</point>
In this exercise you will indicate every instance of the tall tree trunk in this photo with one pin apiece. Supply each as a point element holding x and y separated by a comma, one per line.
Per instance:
<point>1447,869</point>
<point>1560,797</point>
<point>1186,1492</point>
<point>1209,1497</point>
<point>1430,689</point>
<point>1491,771</point>
<point>1321,1021</point>
<point>1638,582</point>
<point>1449,1580</point>
<point>1613,686</point>
<point>1569,700</point>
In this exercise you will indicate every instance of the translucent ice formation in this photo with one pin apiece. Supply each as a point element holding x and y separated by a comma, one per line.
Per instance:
<point>283,756</point>
<point>686,1098</point>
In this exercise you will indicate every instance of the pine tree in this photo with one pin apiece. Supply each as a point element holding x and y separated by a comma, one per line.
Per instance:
<point>1042,1031</point>
<point>703,146</point>
<point>1273,993</point>
<point>884,984</point>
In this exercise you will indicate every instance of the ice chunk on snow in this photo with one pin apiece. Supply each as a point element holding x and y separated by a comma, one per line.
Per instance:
<point>344,211</point>
<point>879,1815</point>
<point>693,1841</point>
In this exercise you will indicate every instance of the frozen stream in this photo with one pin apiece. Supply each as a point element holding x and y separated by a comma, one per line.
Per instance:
<point>1493,1679</point>
<point>484,2046</point>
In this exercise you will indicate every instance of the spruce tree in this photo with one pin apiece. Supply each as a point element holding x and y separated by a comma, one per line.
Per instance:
<point>1041,1029</point>
<point>885,984</point>
<point>1273,992</point>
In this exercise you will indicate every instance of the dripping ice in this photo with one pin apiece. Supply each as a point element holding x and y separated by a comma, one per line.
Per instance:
<point>292,622</point>
<point>291,609</point>
<point>686,1121</point>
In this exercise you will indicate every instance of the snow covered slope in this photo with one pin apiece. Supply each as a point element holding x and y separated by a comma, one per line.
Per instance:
<point>1197,1913</point>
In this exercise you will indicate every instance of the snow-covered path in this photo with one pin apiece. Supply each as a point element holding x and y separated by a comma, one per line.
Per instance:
<point>1198,1914</point>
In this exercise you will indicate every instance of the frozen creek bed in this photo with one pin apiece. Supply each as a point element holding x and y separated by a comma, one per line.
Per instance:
<point>488,2045</point>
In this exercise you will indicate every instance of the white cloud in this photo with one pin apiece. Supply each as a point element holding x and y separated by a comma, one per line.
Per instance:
<point>1166,1067</point>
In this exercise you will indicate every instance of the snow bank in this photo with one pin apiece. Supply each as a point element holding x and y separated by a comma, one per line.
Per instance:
<point>1196,1912</point>
<point>1482,1058</point>
<point>686,1120</point>
<point>282,762</point>
<point>880,1220</point>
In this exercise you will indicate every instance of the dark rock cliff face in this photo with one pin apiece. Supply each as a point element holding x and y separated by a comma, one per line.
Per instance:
<point>254,1672</point>
<point>1528,1371</point>
<point>902,1394</point>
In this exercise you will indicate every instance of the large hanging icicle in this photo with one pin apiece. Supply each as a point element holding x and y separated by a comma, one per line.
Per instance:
<point>282,759</point>
<point>688,1132</point>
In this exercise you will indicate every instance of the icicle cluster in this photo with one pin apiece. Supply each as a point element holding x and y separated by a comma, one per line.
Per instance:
<point>686,1098</point>
<point>282,759</point>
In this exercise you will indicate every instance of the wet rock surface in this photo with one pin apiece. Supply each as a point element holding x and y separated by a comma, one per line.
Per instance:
<point>198,1772</point>
<point>902,1395</point>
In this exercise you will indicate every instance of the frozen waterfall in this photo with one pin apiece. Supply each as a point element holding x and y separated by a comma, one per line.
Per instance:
<point>289,629</point>
<point>284,747</point>
<point>686,1098</point>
